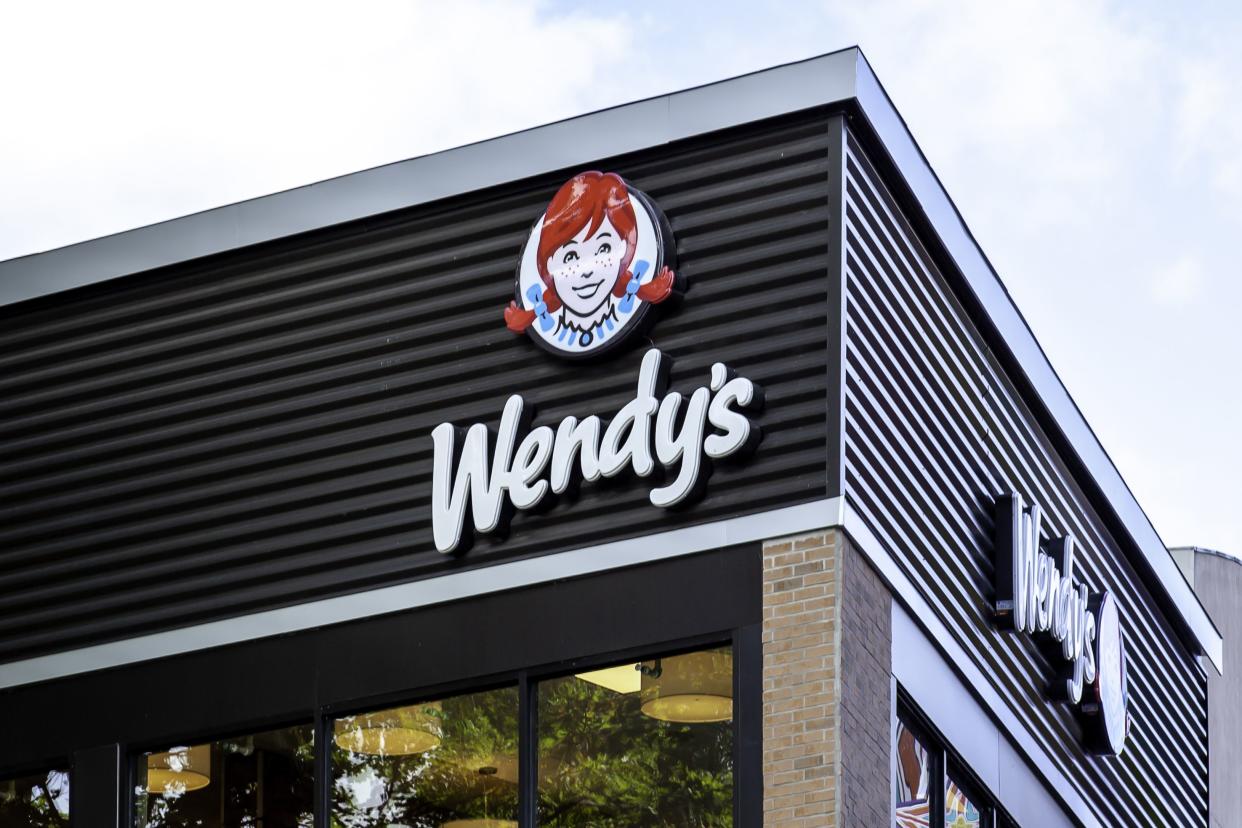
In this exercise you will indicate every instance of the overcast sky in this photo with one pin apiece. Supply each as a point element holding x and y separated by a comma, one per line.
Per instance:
<point>1095,149</point>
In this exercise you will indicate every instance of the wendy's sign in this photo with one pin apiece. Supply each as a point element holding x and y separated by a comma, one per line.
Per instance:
<point>595,262</point>
<point>653,430</point>
<point>1036,593</point>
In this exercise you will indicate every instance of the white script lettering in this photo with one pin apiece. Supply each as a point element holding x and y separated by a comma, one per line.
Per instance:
<point>631,440</point>
<point>1042,595</point>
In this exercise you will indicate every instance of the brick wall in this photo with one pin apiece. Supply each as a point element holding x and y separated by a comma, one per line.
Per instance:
<point>865,707</point>
<point>826,657</point>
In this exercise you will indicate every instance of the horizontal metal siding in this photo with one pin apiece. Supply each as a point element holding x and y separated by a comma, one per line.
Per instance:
<point>934,432</point>
<point>253,430</point>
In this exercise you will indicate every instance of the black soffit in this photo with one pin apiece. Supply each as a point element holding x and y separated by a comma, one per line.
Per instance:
<point>842,78</point>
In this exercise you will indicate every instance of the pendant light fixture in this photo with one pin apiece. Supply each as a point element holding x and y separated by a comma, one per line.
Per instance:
<point>690,689</point>
<point>623,678</point>
<point>179,770</point>
<point>401,731</point>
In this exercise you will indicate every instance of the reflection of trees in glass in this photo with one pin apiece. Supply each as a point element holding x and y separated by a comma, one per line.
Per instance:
<point>604,764</point>
<point>266,779</point>
<point>38,801</point>
<point>471,774</point>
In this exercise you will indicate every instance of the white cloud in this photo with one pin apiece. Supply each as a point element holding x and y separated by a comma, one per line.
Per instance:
<point>135,113</point>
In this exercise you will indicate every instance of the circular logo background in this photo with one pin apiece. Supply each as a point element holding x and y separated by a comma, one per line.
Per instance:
<point>579,328</point>
<point>1109,704</point>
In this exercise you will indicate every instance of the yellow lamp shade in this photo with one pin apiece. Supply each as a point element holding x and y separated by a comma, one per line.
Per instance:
<point>179,770</point>
<point>691,689</point>
<point>624,678</point>
<point>402,731</point>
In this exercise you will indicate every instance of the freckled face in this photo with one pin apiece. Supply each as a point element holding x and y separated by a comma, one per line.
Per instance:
<point>586,268</point>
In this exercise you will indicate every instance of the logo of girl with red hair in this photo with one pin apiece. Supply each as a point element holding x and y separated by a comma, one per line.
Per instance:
<point>594,264</point>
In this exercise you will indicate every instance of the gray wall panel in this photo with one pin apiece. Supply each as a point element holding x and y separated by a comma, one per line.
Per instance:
<point>934,431</point>
<point>252,430</point>
<point>1218,581</point>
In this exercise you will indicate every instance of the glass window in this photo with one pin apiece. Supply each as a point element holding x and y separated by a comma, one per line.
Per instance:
<point>647,743</point>
<point>40,800</point>
<point>933,787</point>
<point>446,763</point>
<point>959,810</point>
<point>914,773</point>
<point>265,779</point>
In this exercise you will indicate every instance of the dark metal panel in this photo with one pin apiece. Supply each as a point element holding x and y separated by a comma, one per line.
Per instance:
<point>96,787</point>
<point>252,430</point>
<point>748,710</point>
<point>935,430</point>
<point>837,133</point>
<point>281,680</point>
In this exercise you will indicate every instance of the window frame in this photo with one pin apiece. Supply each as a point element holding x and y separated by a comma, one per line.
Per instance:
<point>957,772</point>
<point>137,751</point>
<point>916,724</point>
<point>675,605</point>
<point>744,642</point>
<point>946,765</point>
<point>529,785</point>
<point>746,801</point>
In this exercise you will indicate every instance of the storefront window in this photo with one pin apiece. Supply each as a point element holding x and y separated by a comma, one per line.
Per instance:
<point>914,772</point>
<point>446,763</point>
<point>260,779</point>
<point>40,800</point>
<point>646,743</point>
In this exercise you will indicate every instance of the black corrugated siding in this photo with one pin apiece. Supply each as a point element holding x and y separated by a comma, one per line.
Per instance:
<point>934,432</point>
<point>252,430</point>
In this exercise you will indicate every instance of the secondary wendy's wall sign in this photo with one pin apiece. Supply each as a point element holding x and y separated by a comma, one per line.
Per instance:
<point>592,268</point>
<point>1036,594</point>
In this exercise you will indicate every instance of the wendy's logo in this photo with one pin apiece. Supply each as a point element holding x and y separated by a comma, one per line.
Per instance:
<point>595,263</point>
<point>1037,593</point>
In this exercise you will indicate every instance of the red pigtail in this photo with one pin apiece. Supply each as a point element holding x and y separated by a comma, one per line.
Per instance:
<point>655,291</point>
<point>518,318</point>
